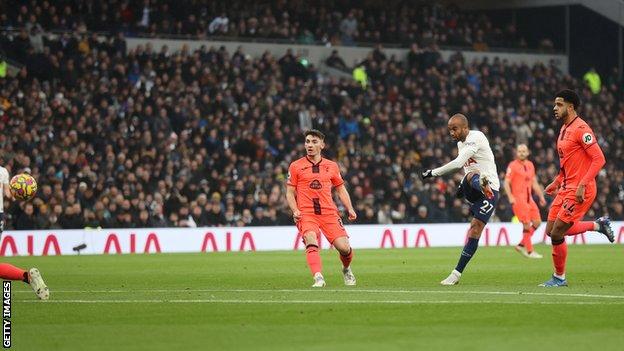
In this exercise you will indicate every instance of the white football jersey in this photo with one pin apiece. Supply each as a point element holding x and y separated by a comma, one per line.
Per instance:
<point>474,154</point>
<point>4,181</point>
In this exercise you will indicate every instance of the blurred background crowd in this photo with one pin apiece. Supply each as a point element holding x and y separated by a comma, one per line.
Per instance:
<point>149,137</point>
<point>295,21</point>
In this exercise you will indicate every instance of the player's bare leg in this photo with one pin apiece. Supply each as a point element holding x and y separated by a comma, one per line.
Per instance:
<point>313,258</point>
<point>346,255</point>
<point>556,230</point>
<point>474,233</point>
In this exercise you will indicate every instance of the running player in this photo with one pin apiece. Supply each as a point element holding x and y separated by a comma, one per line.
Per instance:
<point>309,195</point>
<point>580,160</point>
<point>520,181</point>
<point>8,271</point>
<point>479,186</point>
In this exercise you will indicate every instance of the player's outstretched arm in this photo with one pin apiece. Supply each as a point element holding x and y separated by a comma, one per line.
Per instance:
<point>344,197</point>
<point>453,166</point>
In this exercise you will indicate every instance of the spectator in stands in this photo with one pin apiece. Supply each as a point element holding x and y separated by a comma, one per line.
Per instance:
<point>348,29</point>
<point>27,219</point>
<point>219,25</point>
<point>422,216</point>
<point>214,215</point>
<point>592,79</point>
<point>334,60</point>
<point>71,218</point>
<point>157,219</point>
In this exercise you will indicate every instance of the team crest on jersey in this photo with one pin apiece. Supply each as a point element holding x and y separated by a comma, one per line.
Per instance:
<point>588,138</point>
<point>316,185</point>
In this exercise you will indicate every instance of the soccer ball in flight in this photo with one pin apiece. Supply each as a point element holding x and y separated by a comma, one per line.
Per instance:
<point>23,186</point>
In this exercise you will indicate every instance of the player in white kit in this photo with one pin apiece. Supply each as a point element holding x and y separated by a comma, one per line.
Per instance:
<point>9,271</point>
<point>479,187</point>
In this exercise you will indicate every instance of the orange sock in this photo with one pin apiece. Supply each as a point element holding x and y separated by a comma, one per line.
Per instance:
<point>580,227</point>
<point>346,260</point>
<point>9,271</point>
<point>559,254</point>
<point>314,259</point>
<point>526,239</point>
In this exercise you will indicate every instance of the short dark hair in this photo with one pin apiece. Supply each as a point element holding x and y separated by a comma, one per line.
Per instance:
<point>569,96</point>
<point>314,132</point>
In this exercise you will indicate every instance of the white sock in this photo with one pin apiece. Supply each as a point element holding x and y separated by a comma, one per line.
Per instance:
<point>596,226</point>
<point>562,277</point>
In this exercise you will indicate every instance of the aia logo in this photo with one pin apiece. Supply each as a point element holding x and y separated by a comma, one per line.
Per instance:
<point>471,161</point>
<point>316,185</point>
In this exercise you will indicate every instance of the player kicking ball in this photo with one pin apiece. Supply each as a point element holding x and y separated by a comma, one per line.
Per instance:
<point>580,160</point>
<point>8,271</point>
<point>520,182</point>
<point>479,186</point>
<point>309,196</point>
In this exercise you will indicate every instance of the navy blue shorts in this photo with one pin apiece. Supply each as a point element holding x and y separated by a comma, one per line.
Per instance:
<point>481,207</point>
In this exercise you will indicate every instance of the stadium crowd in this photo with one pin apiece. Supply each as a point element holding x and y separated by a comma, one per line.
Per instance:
<point>327,22</point>
<point>152,138</point>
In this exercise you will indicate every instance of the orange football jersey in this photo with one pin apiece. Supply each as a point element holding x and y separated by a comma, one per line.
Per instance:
<point>520,175</point>
<point>313,183</point>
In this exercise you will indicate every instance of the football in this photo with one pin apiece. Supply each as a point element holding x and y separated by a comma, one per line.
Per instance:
<point>23,186</point>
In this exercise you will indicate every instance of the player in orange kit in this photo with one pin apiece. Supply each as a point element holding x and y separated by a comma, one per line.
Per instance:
<point>309,195</point>
<point>580,160</point>
<point>520,181</point>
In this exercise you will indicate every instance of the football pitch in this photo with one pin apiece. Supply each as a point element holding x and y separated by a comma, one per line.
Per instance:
<point>263,301</point>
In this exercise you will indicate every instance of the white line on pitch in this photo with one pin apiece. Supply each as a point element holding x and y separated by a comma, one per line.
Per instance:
<point>376,291</point>
<point>333,302</point>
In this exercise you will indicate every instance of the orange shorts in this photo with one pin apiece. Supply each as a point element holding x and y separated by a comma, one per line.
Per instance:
<point>330,225</point>
<point>526,211</point>
<point>566,208</point>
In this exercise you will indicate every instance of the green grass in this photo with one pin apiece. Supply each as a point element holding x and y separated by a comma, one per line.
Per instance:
<point>263,301</point>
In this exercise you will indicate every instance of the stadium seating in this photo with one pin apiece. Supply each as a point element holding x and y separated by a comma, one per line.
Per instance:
<point>151,137</point>
<point>336,23</point>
